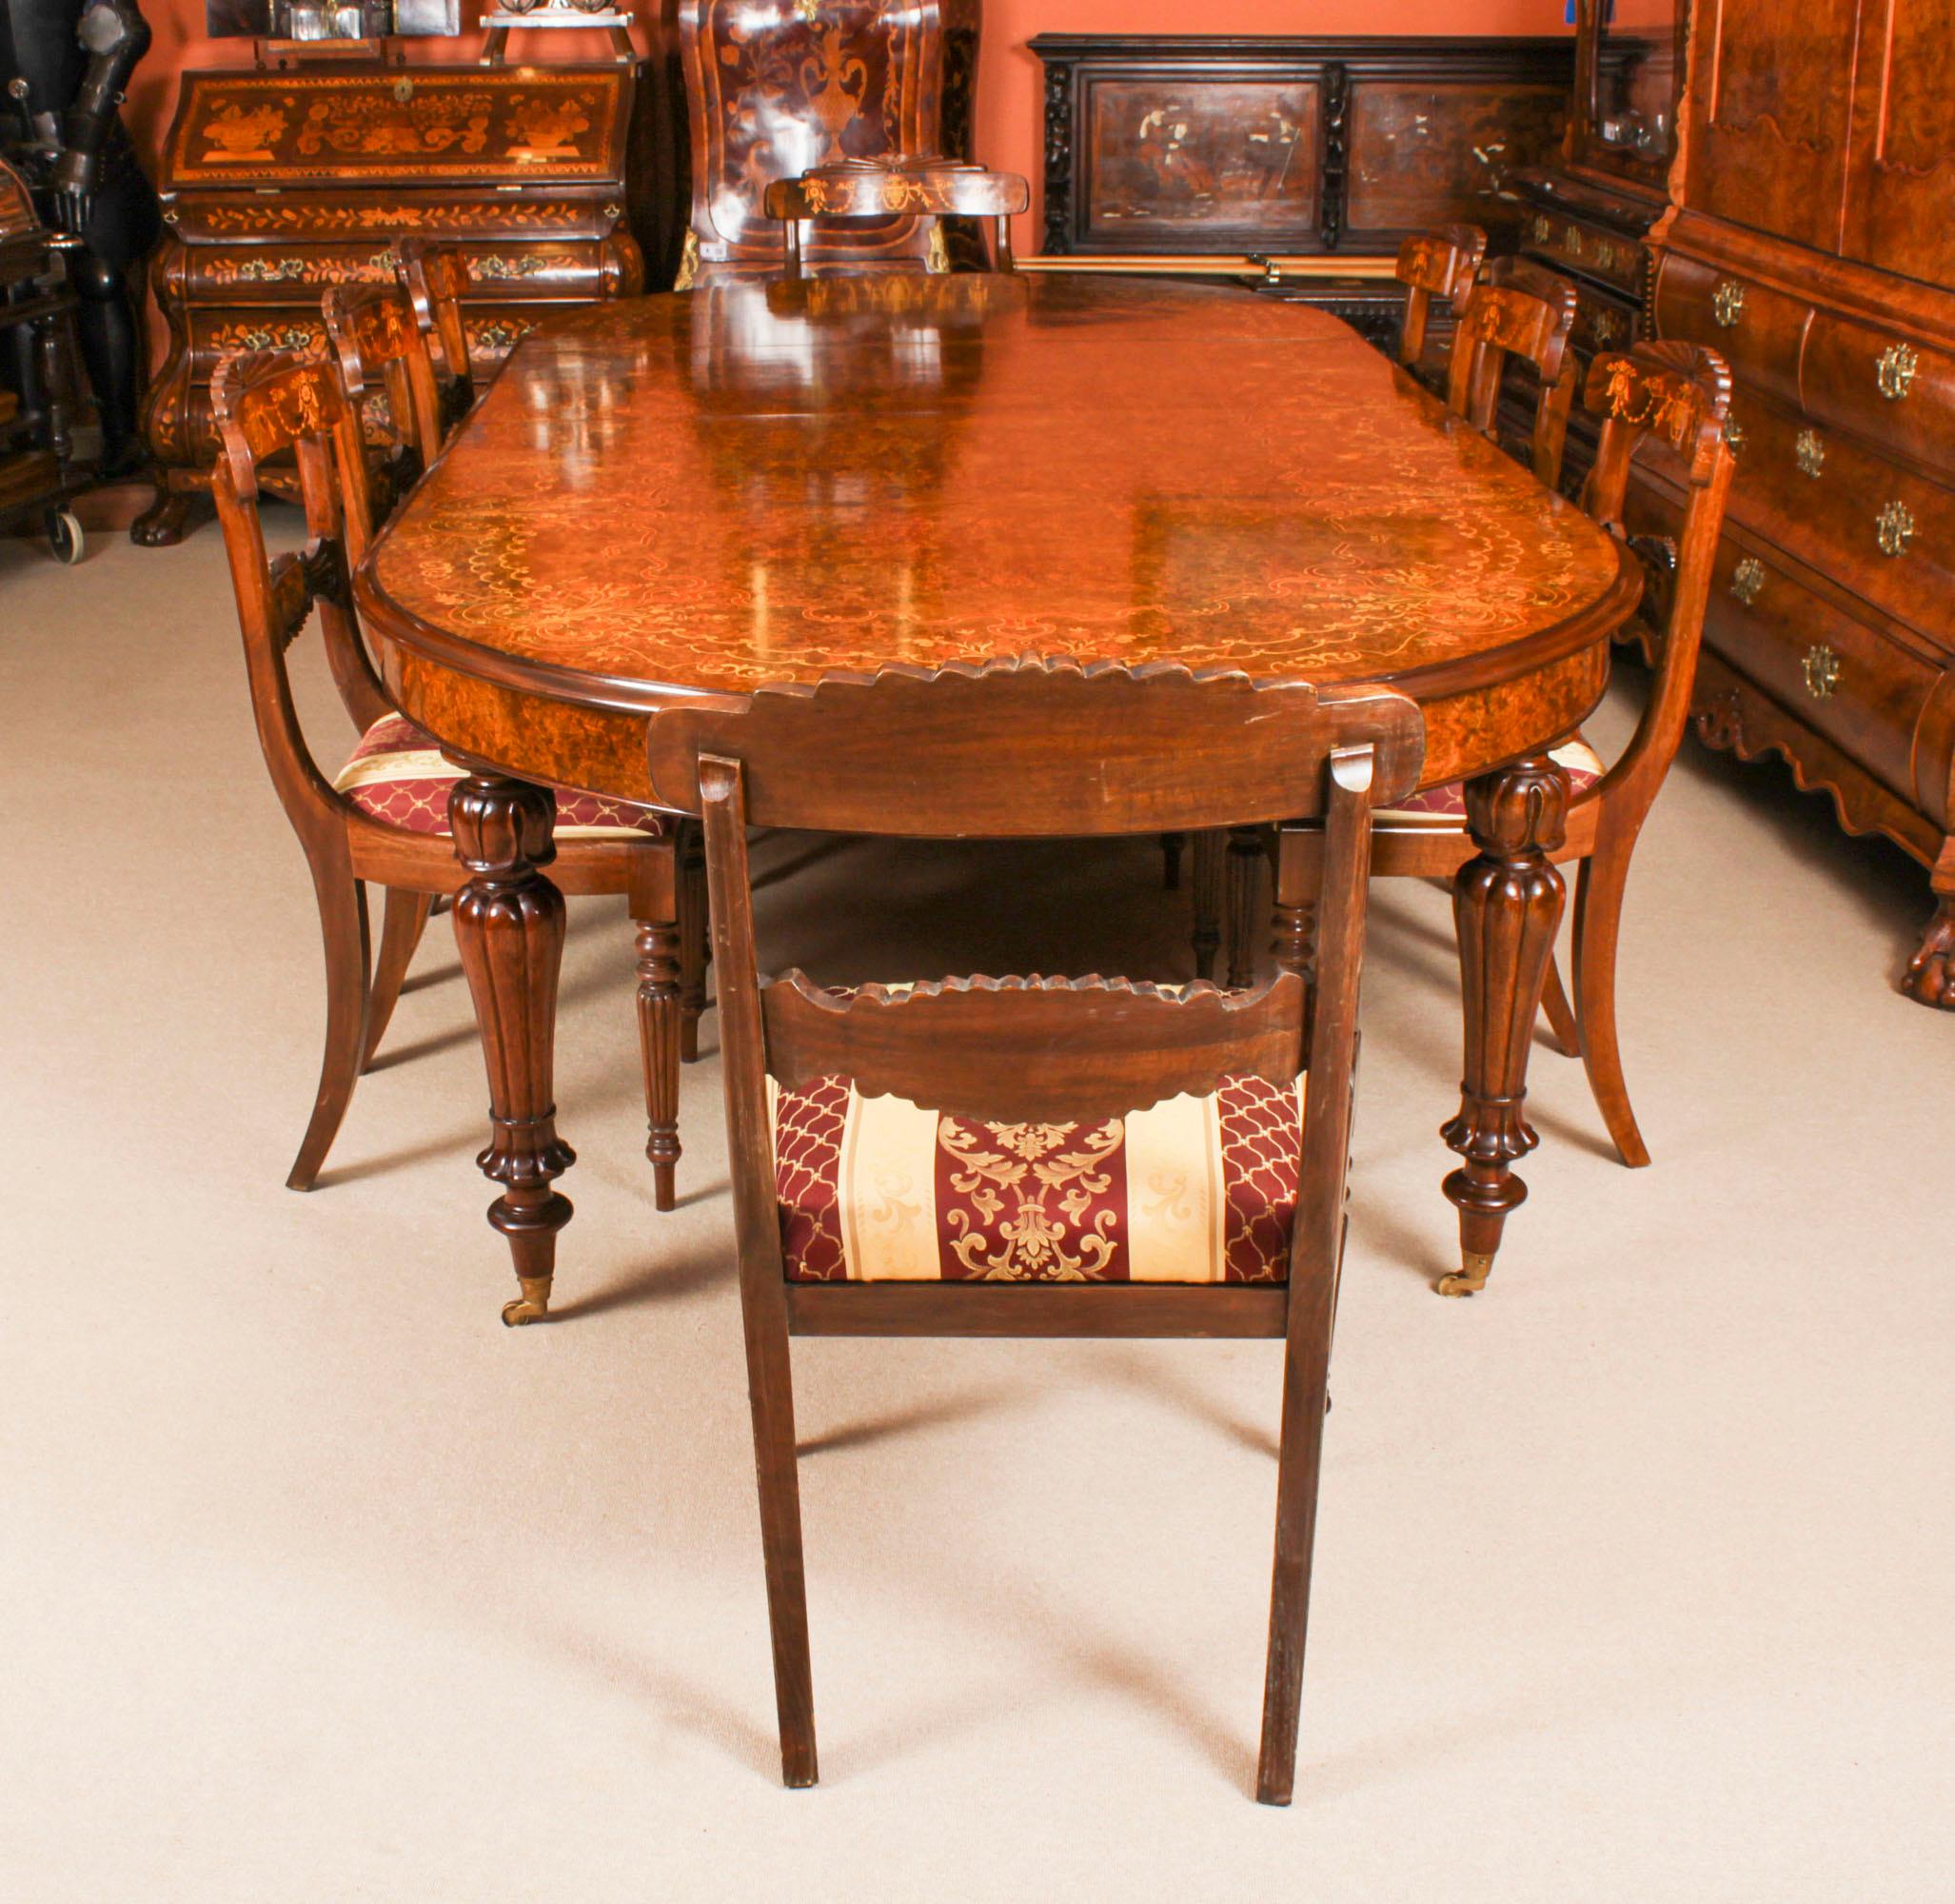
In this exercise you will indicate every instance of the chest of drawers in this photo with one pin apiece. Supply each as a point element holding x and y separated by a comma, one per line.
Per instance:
<point>559,183</point>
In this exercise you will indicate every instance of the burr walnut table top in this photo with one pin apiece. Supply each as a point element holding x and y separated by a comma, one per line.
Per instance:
<point>765,481</point>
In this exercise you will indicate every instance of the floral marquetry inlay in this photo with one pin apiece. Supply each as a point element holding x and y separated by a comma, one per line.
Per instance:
<point>751,482</point>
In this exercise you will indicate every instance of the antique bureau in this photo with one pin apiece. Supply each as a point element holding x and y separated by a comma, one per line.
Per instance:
<point>560,182</point>
<point>1813,243</point>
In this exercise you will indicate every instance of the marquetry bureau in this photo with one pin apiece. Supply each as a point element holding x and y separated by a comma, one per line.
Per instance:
<point>1814,246</point>
<point>560,183</point>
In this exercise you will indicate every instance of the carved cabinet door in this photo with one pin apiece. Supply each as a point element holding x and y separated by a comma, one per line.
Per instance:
<point>1901,182</point>
<point>1772,87</point>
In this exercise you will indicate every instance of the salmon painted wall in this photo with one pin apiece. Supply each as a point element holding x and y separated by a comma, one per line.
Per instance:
<point>1009,105</point>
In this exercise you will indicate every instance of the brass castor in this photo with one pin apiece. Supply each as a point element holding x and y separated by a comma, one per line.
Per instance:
<point>1471,1278</point>
<point>533,1305</point>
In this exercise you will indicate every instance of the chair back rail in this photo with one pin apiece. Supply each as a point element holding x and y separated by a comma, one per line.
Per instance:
<point>436,278</point>
<point>1517,309</point>
<point>266,403</point>
<point>927,188</point>
<point>1034,747</point>
<point>377,342</point>
<point>1436,263</point>
<point>1677,395</point>
<point>1087,1048</point>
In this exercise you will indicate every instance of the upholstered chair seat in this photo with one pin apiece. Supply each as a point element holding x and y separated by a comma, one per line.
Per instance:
<point>1193,1189</point>
<point>398,776</point>
<point>1445,805</point>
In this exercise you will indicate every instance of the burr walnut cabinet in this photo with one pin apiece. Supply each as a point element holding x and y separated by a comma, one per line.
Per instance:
<point>560,184</point>
<point>1812,244</point>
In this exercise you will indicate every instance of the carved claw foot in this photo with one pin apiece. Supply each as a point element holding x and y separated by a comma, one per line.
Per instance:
<point>1930,978</point>
<point>533,1305</point>
<point>1471,1278</point>
<point>170,518</point>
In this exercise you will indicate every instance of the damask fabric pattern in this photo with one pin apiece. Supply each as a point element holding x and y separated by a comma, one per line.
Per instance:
<point>1196,1189</point>
<point>1445,805</point>
<point>398,776</point>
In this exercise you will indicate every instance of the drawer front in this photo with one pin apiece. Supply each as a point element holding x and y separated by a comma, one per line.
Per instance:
<point>295,274</point>
<point>1879,531</point>
<point>1759,331</point>
<point>1886,388</point>
<point>1841,677</point>
<point>1576,244</point>
<point>297,215</point>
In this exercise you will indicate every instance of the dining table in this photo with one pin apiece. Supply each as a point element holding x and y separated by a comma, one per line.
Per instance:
<point>763,481</point>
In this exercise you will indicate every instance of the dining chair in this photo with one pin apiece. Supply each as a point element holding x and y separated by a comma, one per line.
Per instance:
<point>436,278</point>
<point>933,188</point>
<point>778,89</point>
<point>381,358</point>
<point>383,818</point>
<point>1040,1157</point>
<point>1663,402</point>
<point>1516,310</point>
<point>1442,264</point>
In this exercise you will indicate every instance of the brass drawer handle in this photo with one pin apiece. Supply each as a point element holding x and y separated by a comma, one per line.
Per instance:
<point>1821,667</point>
<point>1727,302</point>
<point>1734,434</point>
<point>1810,453</point>
<point>1541,229</point>
<point>1894,525</point>
<point>1894,370</point>
<point>1607,326</point>
<point>1748,579</point>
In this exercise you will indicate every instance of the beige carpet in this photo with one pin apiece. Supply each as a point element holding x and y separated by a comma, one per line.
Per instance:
<point>1633,1577</point>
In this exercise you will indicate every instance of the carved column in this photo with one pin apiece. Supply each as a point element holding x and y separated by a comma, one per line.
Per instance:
<point>509,929</point>
<point>1294,918</point>
<point>1507,906</point>
<point>1207,896</point>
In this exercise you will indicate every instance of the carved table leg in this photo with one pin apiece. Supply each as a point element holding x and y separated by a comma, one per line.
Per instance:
<point>1171,845</point>
<point>509,929</point>
<point>1507,906</point>
<point>1208,901</point>
<point>1930,978</point>
<point>1294,937</point>
<point>1245,871</point>
<point>655,910</point>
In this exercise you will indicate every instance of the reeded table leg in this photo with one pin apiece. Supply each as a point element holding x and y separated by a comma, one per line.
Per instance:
<point>1507,906</point>
<point>509,929</point>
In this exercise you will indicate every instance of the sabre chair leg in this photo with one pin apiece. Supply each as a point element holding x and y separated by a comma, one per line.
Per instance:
<point>1560,1014</point>
<point>770,1389</point>
<point>1598,921</point>
<point>1305,1374</point>
<point>343,928</point>
<point>1210,850</point>
<point>402,925</point>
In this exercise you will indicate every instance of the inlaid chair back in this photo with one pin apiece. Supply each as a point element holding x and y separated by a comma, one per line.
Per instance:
<point>926,188</point>
<point>778,87</point>
<point>378,347</point>
<point>1676,395</point>
<point>1516,310</point>
<point>1442,264</point>
<point>436,278</point>
<point>1039,749</point>
<point>266,403</point>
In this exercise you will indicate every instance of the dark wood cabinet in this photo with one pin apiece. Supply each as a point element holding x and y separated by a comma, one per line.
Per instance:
<point>559,183</point>
<point>1813,246</point>
<point>1587,216</point>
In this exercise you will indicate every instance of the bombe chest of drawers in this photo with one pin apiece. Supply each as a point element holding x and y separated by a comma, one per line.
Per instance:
<point>1813,246</point>
<point>559,183</point>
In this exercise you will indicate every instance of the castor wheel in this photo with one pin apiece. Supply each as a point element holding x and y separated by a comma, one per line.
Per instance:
<point>64,536</point>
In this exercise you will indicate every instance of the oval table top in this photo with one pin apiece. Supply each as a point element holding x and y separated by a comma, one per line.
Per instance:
<point>763,481</point>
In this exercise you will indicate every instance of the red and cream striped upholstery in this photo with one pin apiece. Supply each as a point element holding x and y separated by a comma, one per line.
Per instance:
<point>1444,806</point>
<point>397,776</point>
<point>1191,1190</point>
